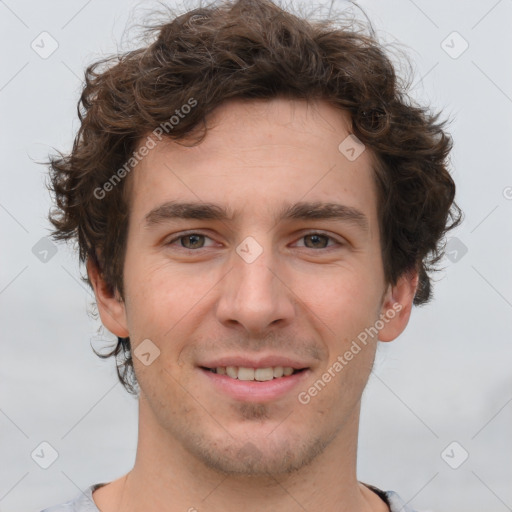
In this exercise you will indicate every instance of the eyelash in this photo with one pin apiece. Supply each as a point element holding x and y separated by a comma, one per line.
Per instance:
<point>183,235</point>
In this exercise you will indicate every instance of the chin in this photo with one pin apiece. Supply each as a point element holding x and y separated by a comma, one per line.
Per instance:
<point>259,457</point>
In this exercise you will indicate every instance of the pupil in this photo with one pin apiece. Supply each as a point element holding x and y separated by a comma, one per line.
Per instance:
<point>315,238</point>
<point>190,238</point>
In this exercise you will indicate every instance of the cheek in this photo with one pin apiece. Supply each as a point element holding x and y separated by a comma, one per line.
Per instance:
<point>155,301</point>
<point>347,307</point>
<point>345,299</point>
<point>164,306</point>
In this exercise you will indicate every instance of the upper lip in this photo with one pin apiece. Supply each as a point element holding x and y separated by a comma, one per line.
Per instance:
<point>253,362</point>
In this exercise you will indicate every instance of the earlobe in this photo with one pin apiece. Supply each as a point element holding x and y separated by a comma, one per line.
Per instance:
<point>111,309</point>
<point>397,306</point>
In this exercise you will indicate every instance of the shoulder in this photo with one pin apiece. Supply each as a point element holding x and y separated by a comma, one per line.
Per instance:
<point>397,504</point>
<point>81,503</point>
<point>391,498</point>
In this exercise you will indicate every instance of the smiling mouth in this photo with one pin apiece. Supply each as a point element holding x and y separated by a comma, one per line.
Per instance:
<point>255,374</point>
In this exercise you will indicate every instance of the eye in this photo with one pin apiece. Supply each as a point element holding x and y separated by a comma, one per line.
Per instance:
<point>189,241</point>
<point>318,240</point>
<point>193,241</point>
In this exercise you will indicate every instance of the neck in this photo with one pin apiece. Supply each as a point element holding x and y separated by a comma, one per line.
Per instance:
<point>167,478</point>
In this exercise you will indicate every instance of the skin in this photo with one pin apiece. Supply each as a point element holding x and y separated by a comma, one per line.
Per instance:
<point>302,297</point>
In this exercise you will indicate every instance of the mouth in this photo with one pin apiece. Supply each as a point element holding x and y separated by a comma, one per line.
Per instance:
<point>254,374</point>
<point>261,383</point>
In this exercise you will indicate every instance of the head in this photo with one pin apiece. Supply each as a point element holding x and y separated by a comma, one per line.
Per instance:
<point>252,109</point>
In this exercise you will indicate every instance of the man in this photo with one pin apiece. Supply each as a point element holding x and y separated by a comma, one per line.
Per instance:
<point>257,204</point>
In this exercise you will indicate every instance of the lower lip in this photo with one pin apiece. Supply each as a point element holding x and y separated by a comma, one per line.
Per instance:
<point>252,390</point>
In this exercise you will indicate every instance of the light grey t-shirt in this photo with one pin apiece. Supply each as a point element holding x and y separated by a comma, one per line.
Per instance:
<point>85,503</point>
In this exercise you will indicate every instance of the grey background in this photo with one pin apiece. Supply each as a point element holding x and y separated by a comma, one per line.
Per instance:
<point>447,378</point>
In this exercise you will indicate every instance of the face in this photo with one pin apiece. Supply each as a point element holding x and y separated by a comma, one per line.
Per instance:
<point>243,302</point>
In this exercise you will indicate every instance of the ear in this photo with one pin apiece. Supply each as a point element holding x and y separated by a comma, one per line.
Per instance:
<point>111,308</point>
<point>397,306</point>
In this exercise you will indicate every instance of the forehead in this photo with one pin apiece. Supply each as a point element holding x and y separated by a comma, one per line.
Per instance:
<point>257,156</point>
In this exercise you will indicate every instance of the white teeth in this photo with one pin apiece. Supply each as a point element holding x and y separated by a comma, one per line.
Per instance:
<point>259,374</point>
<point>245,373</point>
<point>232,372</point>
<point>263,374</point>
<point>278,372</point>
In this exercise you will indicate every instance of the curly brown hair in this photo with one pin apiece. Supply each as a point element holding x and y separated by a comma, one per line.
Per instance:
<point>251,49</point>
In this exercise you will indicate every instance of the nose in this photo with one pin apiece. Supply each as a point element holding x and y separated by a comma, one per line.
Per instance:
<point>256,294</point>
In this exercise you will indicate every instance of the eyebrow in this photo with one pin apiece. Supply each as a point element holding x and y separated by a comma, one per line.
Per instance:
<point>299,211</point>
